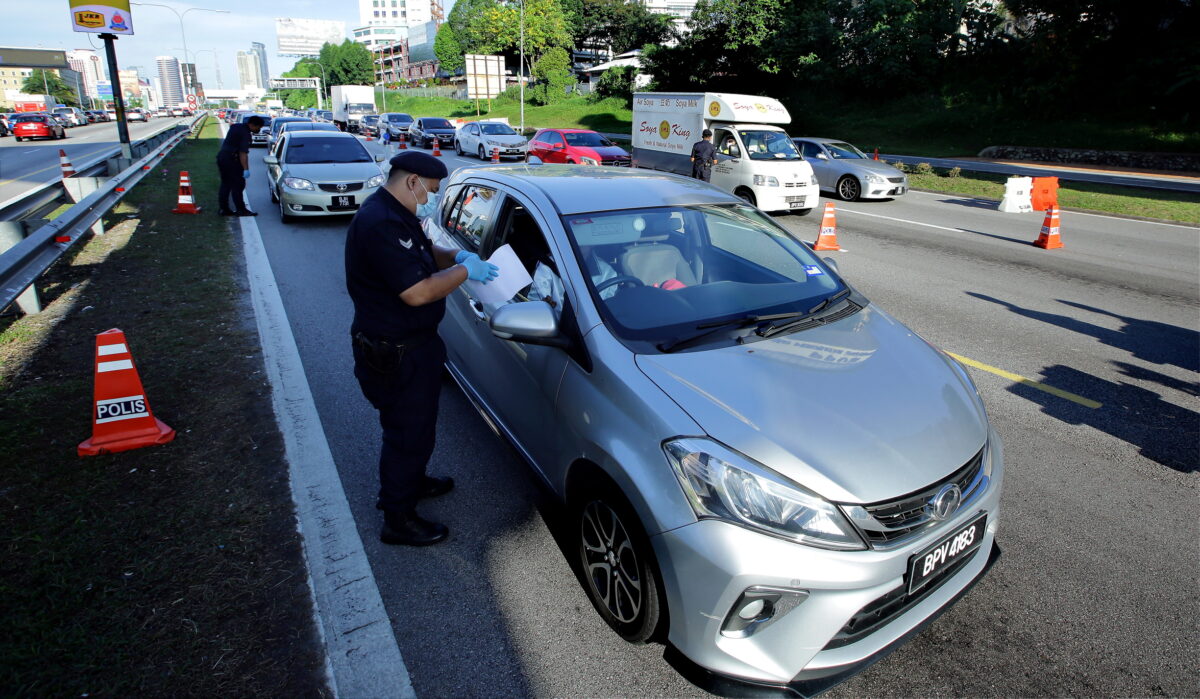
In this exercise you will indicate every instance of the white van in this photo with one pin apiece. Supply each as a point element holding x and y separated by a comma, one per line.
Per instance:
<point>757,160</point>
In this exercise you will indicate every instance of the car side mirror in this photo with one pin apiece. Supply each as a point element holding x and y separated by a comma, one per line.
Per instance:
<point>558,146</point>
<point>530,322</point>
<point>270,160</point>
<point>822,156</point>
<point>832,264</point>
<point>379,158</point>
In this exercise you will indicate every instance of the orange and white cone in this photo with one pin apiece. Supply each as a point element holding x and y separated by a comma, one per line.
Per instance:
<point>68,170</point>
<point>827,238</point>
<point>402,145</point>
<point>121,416</point>
<point>187,202</point>
<point>495,155</point>
<point>1048,239</point>
<point>436,150</point>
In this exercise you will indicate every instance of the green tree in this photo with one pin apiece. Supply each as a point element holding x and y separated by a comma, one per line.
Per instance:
<point>302,98</point>
<point>447,49</point>
<point>464,20</point>
<point>616,82</point>
<point>40,80</point>
<point>553,72</point>
<point>499,27</point>
<point>348,63</point>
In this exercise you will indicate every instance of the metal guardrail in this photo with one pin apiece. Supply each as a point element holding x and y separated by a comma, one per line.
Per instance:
<point>24,262</point>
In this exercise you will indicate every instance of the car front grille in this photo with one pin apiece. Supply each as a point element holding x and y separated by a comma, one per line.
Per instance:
<point>889,523</point>
<point>616,163</point>
<point>896,180</point>
<point>349,187</point>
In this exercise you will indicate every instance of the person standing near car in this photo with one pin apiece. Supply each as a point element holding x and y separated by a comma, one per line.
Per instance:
<point>704,156</point>
<point>233,164</point>
<point>398,281</point>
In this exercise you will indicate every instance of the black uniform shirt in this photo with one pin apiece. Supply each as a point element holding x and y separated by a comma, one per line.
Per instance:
<point>236,141</point>
<point>703,152</point>
<point>386,253</point>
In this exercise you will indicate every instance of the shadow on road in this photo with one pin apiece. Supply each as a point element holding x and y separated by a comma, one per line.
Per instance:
<point>1020,241</point>
<point>974,203</point>
<point>1148,340</point>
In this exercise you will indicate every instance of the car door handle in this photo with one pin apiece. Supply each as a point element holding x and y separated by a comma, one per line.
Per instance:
<point>476,308</point>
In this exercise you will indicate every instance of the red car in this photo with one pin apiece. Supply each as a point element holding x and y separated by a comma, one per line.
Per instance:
<point>578,146</point>
<point>37,126</point>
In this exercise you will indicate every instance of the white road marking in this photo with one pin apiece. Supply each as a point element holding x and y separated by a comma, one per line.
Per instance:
<point>901,220</point>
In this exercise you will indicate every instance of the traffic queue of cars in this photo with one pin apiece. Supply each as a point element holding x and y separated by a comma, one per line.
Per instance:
<point>673,335</point>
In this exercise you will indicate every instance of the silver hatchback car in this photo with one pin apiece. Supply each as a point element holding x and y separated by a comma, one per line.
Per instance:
<point>763,468</point>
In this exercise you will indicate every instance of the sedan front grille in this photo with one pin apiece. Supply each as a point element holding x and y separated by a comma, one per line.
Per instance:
<point>349,187</point>
<point>896,180</point>
<point>616,163</point>
<point>890,522</point>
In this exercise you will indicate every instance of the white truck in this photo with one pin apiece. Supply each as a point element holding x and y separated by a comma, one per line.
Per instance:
<point>756,159</point>
<point>350,103</point>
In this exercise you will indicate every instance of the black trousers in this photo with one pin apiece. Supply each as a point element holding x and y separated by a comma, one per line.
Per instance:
<point>701,173</point>
<point>232,184</point>
<point>405,391</point>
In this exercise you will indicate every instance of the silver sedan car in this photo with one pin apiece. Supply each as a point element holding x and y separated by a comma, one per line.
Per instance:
<point>320,173</point>
<point>762,467</point>
<point>852,174</point>
<point>481,138</point>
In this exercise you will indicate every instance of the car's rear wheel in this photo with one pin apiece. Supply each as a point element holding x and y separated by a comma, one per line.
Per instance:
<point>746,196</point>
<point>18,138</point>
<point>848,188</point>
<point>618,564</point>
<point>482,155</point>
<point>458,148</point>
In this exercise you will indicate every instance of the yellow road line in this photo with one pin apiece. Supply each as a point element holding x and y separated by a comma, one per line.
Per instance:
<point>1087,403</point>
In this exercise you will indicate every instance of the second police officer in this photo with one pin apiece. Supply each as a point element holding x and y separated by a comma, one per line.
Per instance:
<point>398,281</point>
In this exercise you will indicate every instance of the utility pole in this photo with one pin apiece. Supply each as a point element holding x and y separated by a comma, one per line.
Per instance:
<point>521,69</point>
<point>118,98</point>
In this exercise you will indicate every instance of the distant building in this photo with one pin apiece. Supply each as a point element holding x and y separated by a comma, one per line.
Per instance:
<point>187,74</point>
<point>409,58</point>
<point>679,10</point>
<point>249,71</point>
<point>264,74</point>
<point>13,77</point>
<point>384,22</point>
<point>90,65</point>
<point>171,79</point>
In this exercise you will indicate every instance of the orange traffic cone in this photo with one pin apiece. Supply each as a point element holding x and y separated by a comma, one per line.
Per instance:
<point>827,238</point>
<point>1048,239</point>
<point>495,155</point>
<point>876,154</point>
<point>187,203</point>
<point>436,150</point>
<point>121,418</point>
<point>403,145</point>
<point>68,170</point>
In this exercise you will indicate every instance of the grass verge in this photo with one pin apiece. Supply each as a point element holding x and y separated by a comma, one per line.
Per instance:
<point>1121,201</point>
<point>165,571</point>
<point>575,113</point>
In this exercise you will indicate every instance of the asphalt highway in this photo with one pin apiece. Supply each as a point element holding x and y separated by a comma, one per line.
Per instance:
<point>1096,591</point>
<point>26,164</point>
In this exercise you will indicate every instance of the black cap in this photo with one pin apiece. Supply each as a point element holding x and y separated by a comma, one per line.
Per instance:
<point>706,133</point>
<point>419,163</point>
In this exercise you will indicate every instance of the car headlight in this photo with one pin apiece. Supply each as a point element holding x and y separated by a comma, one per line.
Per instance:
<point>375,181</point>
<point>875,179</point>
<point>589,161</point>
<point>297,183</point>
<point>721,484</point>
<point>765,181</point>
<point>814,180</point>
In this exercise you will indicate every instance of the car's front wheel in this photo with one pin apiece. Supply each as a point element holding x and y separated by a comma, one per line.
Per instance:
<point>746,196</point>
<point>283,214</point>
<point>618,564</point>
<point>482,155</point>
<point>848,188</point>
<point>458,148</point>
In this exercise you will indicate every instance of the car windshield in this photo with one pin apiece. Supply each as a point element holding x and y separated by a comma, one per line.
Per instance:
<point>360,108</point>
<point>399,118</point>
<point>845,151</point>
<point>586,138</point>
<point>370,119</point>
<point>689,266</point>
<point>309,151</point>
<point>437,124</point>
<point>769,145</point>
<point>497,129</point>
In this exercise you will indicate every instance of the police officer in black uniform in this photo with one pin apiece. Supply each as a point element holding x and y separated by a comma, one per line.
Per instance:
<point>398,280</point>
<point>704,156</point>
<point>233,162</point>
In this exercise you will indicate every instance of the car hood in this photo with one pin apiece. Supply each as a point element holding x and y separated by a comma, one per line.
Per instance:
<point>440,130</point>
<point>333,172</point>
<point>867,165</point>
<point>600,152</point>
<point>860,410</point>
<point>508,140</point>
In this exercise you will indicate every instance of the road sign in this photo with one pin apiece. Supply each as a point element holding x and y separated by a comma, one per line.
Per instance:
<point>191,100</point>
<point>294,83</point>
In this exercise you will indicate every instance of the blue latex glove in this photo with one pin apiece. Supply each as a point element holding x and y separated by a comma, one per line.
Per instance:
<point>478,270</point>
<point>463,255</point>
<point>246,174</point>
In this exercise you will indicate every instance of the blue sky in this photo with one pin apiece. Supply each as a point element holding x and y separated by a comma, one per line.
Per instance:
<point>48,25</point>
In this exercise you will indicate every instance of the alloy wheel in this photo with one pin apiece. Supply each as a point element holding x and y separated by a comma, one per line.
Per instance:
<point>611,563</point>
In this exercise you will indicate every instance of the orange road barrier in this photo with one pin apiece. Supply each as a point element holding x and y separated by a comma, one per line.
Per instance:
<point>495,155</point>
<point>187,203</point>
<point>68,170</point>
<point>1044,193</point>
<point>1048,239</point>
<point>121,416</point>
<point>827,238</point>
<point>437,151</point>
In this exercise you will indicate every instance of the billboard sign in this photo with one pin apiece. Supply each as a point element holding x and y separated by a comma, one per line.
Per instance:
<point>485,76</point>
<point>101,16</point>
<point>294,83</point>
<point>104,89</point>
<point>33,58</point>
<point>305,37</point>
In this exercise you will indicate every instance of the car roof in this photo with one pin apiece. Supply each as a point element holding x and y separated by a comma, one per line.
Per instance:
<point>572,130</point>
<point>577,189</point>
<point>314,133</point>
<point>818,139</point>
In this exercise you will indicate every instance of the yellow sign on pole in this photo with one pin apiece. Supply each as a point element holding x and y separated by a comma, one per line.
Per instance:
<point>101,16</point>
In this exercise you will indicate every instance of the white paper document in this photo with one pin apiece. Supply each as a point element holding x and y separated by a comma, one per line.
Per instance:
<point>513,277</point>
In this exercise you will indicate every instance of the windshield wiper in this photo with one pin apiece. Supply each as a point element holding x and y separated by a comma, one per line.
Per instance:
<point>716,327</point>
<point>772,330</point>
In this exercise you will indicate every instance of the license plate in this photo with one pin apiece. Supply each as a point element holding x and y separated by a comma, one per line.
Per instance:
<point>796,205</point>
<point>926,566</point>
<point>342,202</point>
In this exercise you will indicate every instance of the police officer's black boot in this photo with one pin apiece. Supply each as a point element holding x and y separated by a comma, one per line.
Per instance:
<point>409,529</point>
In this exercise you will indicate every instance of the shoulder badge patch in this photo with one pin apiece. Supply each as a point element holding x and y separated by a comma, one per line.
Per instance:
<point>406,243</point>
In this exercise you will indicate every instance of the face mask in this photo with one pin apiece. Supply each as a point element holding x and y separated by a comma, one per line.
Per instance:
<point>429,208</point>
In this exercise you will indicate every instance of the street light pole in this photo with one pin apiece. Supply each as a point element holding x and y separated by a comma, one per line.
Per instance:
<point>521,69</point>
<point>187,89</point>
